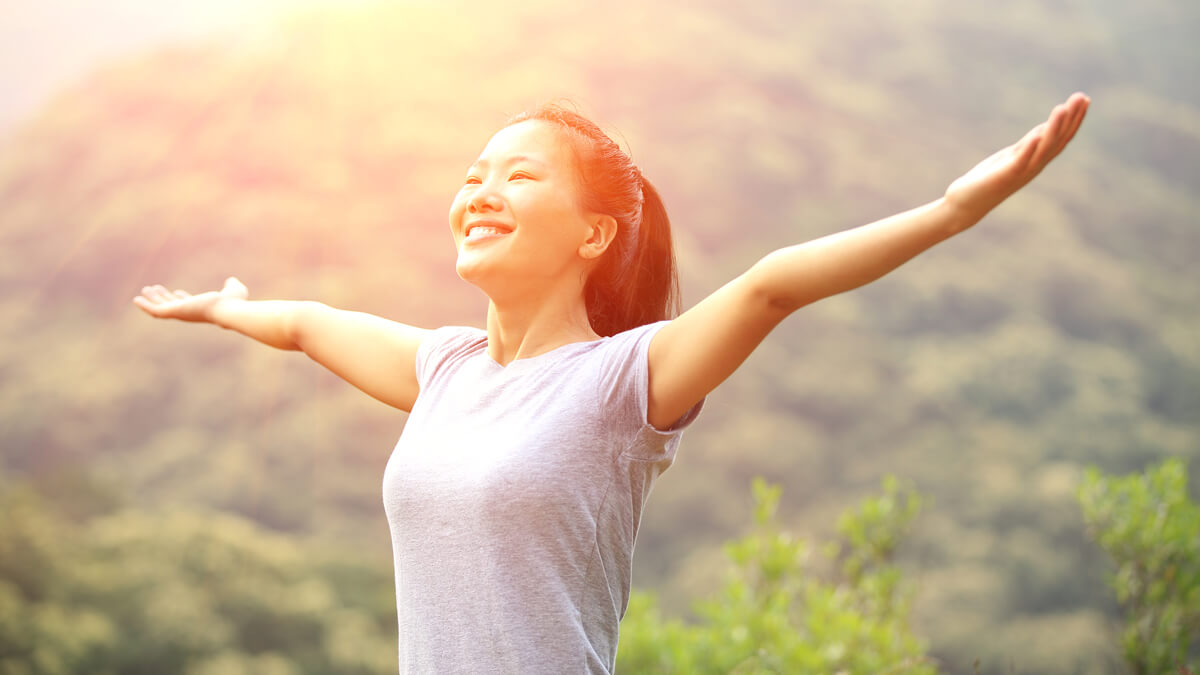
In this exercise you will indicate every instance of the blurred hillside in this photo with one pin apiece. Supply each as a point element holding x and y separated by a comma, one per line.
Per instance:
<point>319,162</point>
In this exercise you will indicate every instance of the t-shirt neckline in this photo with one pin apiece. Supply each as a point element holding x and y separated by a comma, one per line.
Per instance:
<point>536,358</point>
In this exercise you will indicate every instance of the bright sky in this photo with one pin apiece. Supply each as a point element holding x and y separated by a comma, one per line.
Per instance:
<point>45,45</point>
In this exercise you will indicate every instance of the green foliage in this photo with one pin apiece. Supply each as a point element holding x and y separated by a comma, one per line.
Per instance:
<point>1150,527</point>
<point>775,616</point>
<point>181,592</point>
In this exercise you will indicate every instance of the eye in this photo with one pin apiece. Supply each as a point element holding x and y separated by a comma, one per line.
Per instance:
<point>520,175</point>
<point>472,180</point>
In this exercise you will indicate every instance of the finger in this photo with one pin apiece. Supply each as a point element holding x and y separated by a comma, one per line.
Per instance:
<point>1076,107</point>
<point>1062,133</point>
<point>182,295</point>
<point>146,306</point>
<point>150,294</point>
<point>234,286</point>
<point>1079,99</point>
<point>1052,135</point>
<point>1079,111</point>
<point>1024,149</point>
<point>1025,158</point>
<point>160,293</point>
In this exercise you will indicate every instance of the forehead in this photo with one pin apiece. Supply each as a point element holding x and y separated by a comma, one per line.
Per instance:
<point>532,139</point>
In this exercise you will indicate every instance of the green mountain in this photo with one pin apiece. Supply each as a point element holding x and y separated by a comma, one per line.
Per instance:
<point>319,163</point>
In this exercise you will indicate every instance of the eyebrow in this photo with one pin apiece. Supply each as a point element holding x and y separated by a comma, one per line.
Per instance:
<point>514,159</point>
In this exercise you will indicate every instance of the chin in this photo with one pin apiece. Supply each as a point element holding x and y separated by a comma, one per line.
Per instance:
<point>465,272</point>
<point>472,271</point>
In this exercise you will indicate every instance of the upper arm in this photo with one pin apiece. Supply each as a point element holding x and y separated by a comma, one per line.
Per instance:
<point>372,353</point>
<point>698,350</point>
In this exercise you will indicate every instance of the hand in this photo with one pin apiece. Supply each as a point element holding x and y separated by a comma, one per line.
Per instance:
<point>996,178</point>
<point>163,304</point>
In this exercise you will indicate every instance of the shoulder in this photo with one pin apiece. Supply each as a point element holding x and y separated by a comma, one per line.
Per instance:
<point>456,334</point>
<point>627,350</point>
<point>635,338</point>
<point>623,366</point>
<point>624,389</point>
<point>445,345</point>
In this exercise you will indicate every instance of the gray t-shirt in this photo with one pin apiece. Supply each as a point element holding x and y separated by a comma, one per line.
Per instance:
<point>514,497</point>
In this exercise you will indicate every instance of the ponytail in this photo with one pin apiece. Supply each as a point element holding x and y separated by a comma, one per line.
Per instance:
<point>635,282</point>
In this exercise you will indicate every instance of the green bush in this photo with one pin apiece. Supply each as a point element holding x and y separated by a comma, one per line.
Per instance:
<point>772,616</point>
<point>1150,527</point>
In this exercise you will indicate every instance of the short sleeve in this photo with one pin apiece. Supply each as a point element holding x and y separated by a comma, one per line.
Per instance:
<point>444,345</point>
<point>624,389</point>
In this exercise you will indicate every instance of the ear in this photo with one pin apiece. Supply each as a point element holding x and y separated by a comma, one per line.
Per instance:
<point>601,231</point>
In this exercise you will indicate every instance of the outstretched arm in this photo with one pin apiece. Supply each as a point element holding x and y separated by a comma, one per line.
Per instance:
<point>696,352</point>
<point>376,355</point>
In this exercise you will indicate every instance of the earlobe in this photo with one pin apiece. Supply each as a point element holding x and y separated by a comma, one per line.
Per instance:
<point>601,233</point>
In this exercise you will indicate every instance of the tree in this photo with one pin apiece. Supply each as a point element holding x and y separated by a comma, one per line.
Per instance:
<point>1150,527</point>
<point>774,617</point>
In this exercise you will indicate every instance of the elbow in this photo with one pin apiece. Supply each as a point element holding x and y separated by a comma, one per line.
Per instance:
<point>769,287</point>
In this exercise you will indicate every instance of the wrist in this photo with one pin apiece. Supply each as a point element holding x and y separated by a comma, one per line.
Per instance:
<point>217,311</point>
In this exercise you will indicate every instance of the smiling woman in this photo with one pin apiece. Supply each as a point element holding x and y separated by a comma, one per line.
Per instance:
<point>518,221</point>
<point>515,493</point>
<point>585,178</point>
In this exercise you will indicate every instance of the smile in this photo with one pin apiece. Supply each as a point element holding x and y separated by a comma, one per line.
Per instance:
<point>487,229</point>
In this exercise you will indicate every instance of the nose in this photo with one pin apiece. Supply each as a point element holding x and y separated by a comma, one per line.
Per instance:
<point>484,199</point>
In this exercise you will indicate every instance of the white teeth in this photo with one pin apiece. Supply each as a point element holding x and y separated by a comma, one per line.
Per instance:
<point>482,231</point>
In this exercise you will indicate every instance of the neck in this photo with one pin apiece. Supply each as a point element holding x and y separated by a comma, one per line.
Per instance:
<point>521,327</point>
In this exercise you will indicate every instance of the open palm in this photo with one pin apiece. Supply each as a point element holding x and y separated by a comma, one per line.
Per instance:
<point>992,181</point>
<point>161,303</point>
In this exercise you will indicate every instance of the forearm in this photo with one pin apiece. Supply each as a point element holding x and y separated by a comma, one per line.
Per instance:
<point>272,322</point>
<point>798,275</point>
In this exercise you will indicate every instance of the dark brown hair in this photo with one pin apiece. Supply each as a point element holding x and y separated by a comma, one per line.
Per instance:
<point>635,282</point>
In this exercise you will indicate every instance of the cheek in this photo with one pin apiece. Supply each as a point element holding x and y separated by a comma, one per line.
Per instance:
<point>457,207</point>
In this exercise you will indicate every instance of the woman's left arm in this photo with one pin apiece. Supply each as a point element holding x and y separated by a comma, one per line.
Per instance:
<point>703,346</point>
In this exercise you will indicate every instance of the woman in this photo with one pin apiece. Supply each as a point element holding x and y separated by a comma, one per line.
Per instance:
<point>515,492</point>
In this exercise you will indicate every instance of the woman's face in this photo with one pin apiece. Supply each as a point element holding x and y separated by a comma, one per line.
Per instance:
<point>518,215</point>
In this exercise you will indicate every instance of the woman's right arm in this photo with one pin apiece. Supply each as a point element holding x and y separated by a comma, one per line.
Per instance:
<point>374,354</point>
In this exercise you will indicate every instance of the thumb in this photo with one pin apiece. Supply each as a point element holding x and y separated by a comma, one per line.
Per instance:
<point>235,288</point>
